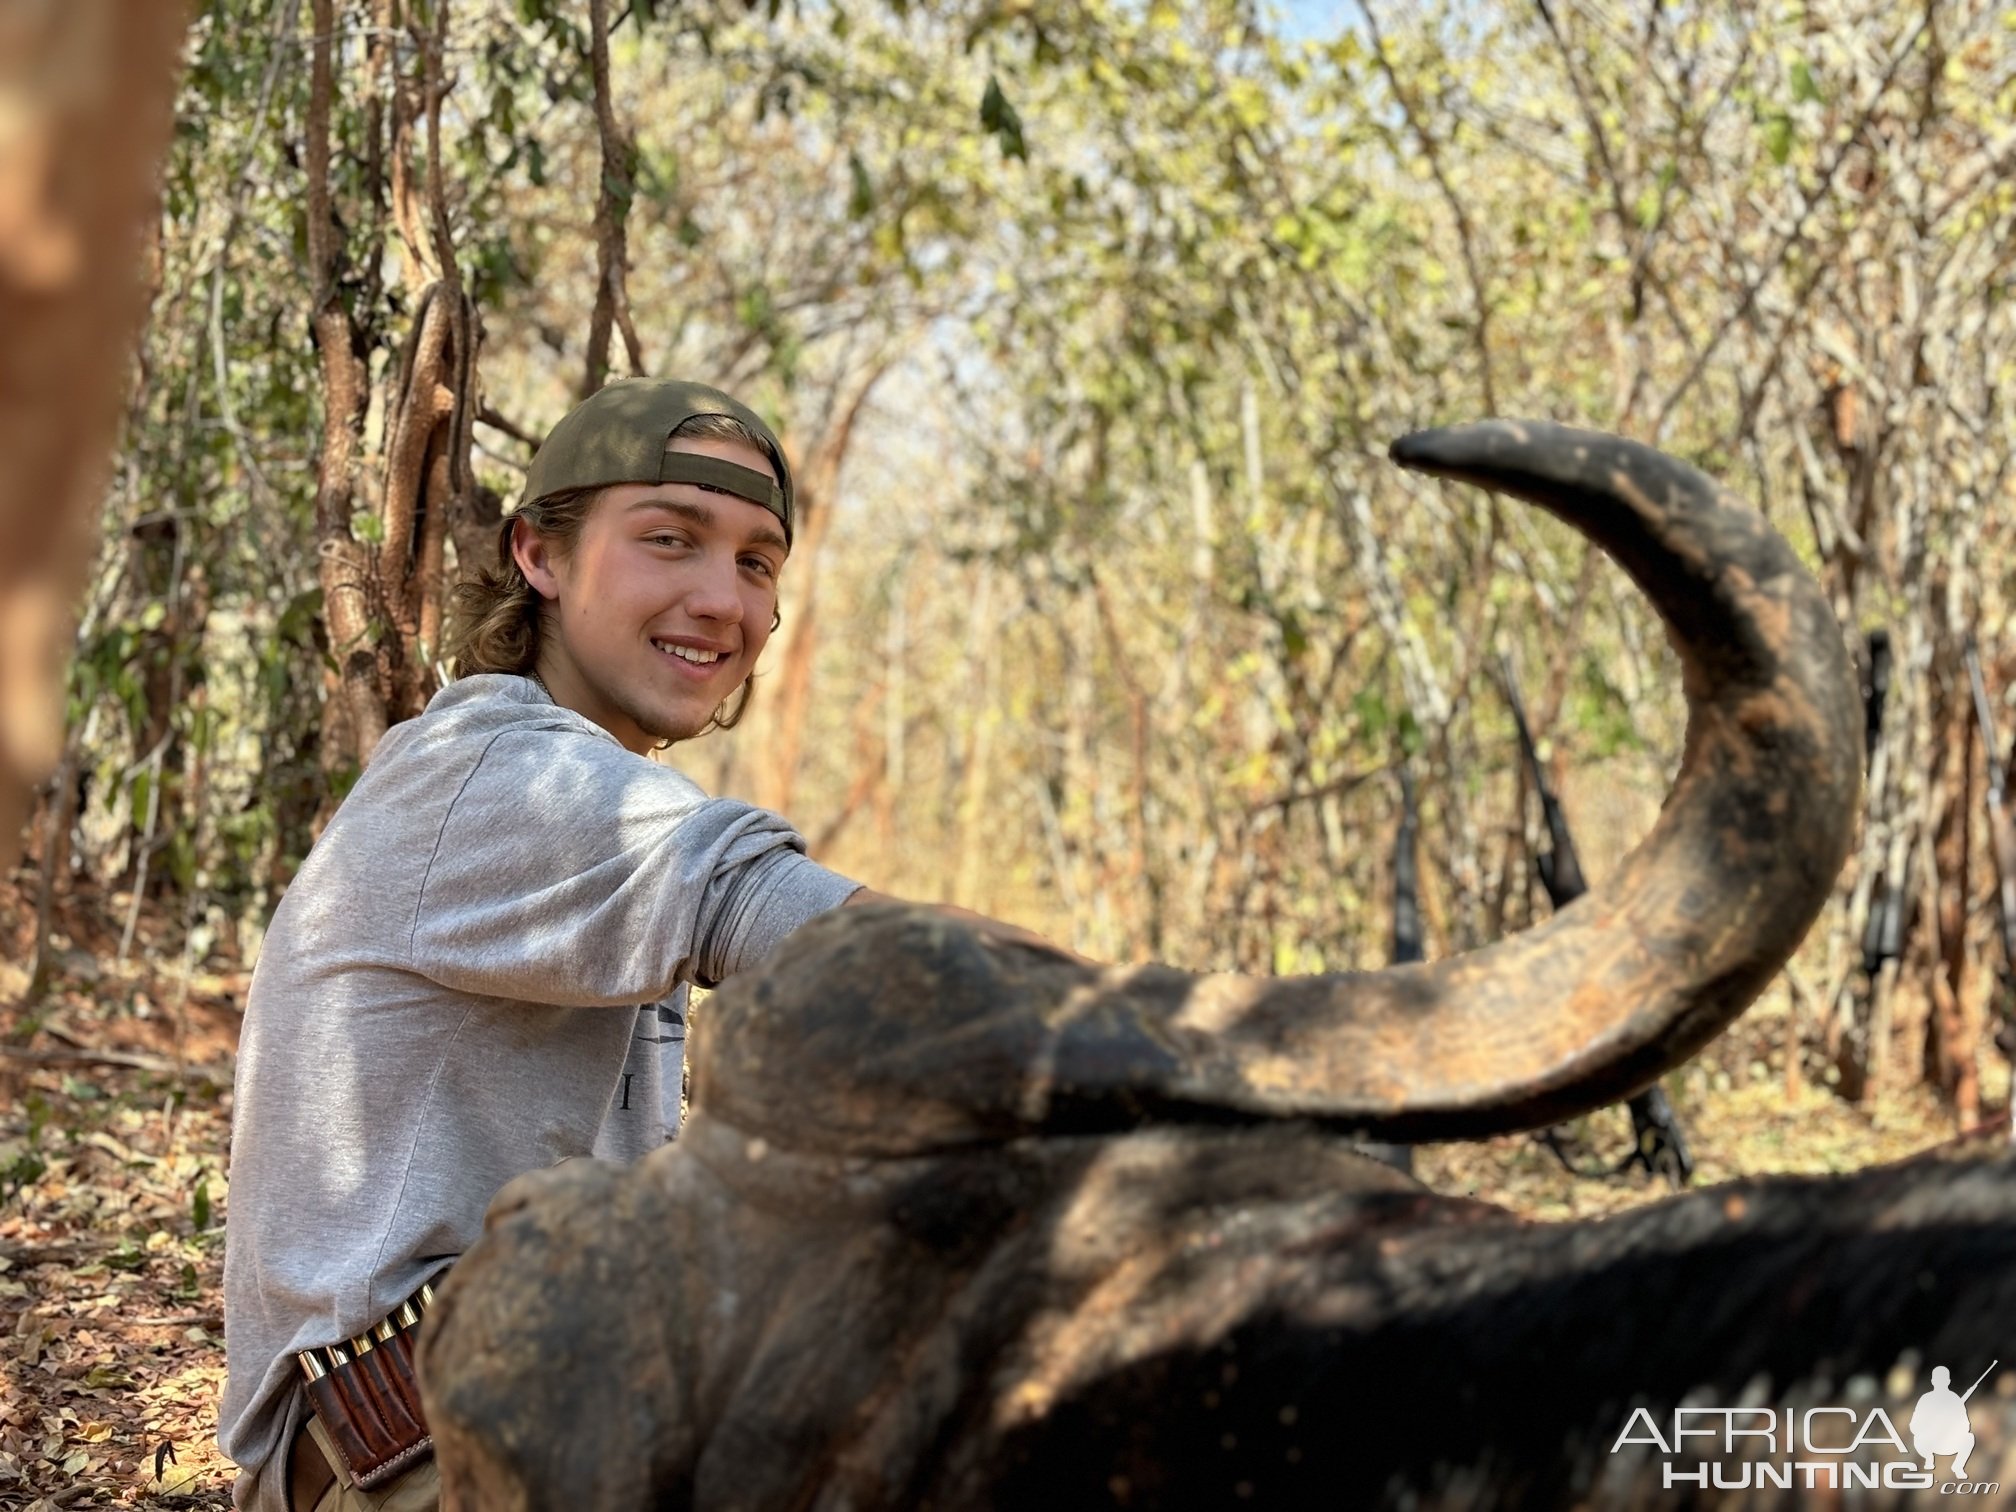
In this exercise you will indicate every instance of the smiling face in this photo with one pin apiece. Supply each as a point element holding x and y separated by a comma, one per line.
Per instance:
<point>659,612</point>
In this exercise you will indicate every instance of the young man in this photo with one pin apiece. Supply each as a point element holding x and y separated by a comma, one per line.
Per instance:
<point>482,967</point>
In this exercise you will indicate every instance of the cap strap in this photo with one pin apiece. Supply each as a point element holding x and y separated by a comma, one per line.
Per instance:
<point>743,482</point>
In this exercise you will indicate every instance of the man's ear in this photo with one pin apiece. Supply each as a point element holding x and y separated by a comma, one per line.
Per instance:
<point>535,557</point>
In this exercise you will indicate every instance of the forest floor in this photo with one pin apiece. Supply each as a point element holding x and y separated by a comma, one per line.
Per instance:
<point>115,1109</point>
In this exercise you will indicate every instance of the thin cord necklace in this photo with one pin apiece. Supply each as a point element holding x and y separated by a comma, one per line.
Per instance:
<point>543,688</point>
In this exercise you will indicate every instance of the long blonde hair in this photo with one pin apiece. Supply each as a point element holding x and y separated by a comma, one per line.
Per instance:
<point>496,617</point>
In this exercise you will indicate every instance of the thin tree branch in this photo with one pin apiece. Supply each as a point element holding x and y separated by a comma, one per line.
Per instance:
<point>1792,235</point>
<point>1465,236</point>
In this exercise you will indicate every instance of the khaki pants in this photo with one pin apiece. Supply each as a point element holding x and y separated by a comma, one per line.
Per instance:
<point>418,1490</point>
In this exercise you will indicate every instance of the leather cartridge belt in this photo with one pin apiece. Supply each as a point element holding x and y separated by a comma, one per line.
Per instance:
<point>366,1396</point>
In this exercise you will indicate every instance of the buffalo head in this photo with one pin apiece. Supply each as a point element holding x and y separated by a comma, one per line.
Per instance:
<point>957,1221</point>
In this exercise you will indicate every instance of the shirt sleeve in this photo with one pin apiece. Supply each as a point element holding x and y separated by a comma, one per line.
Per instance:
<point>570,871</point>
<point>769,899</point>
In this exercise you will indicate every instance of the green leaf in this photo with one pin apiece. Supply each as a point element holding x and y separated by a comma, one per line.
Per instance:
<point>182,858</point>
<point>1294,639</point>
<point>1413,740</point>
<point>128,1257</point>
<point>621,192</point>
<point>25,1169</point>
<point>368,527</point>
<point>754,309</point>
<point>199,1205</point>
<point>999,117</point>
<point>1778,137</point>
<point>1647,208</point>
<point>861,198</point>
<point>1372,712</point>
<point>297,620</point>
<point>1804,90</point>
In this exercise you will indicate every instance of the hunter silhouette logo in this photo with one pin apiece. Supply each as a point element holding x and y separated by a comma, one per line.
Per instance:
<point>1817,1447</point>
<point>1939,1422</point>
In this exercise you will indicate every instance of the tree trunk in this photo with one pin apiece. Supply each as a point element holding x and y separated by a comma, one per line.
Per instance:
<point>383,551</point>
<point>612,216</point>
<point>360,720</point>
<point>87,92</point>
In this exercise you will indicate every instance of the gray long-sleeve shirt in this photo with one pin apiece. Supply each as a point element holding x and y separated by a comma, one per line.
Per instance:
<point>480,970</point>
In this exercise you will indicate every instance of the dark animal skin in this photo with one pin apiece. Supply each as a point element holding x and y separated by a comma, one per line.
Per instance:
<point>958,1222</point>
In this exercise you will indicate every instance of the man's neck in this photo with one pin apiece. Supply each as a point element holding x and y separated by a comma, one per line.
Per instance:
<point>559,682</point>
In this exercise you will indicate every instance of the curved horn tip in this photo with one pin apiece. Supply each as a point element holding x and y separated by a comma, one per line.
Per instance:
<point>1523,444</point>
<point>1537,460</point>
<point>1450,446</point>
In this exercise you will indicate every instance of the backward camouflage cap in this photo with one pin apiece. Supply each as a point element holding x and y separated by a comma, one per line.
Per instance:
<point>619,435</point>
